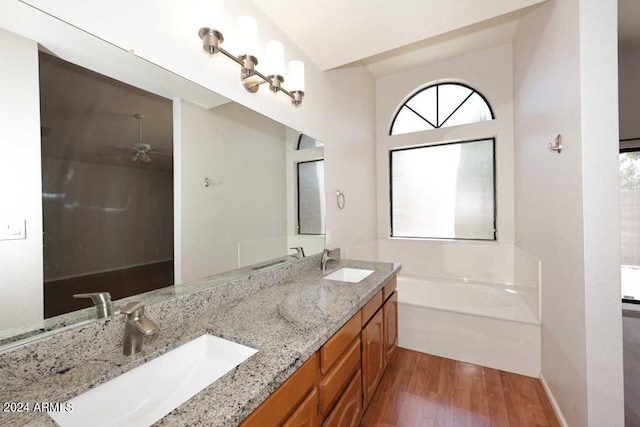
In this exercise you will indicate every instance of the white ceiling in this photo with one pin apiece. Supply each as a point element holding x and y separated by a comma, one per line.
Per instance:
<point>337,32</point>
<point>474,38</point>
<point>629,22</point>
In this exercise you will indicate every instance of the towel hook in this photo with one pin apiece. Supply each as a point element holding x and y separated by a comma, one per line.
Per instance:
<point>340,199</point>
<point>557,145</point>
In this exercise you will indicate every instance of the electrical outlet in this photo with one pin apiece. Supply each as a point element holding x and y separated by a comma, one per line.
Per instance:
<point>12,229</point>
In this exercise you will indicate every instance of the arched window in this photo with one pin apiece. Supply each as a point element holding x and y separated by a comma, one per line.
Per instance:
<point>441,105</point>
<point>305,141</point>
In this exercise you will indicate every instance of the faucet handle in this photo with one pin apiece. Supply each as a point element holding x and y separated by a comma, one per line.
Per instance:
<point>135,308</point>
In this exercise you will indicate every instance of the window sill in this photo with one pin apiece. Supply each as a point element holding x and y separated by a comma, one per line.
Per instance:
<point>433,239</point>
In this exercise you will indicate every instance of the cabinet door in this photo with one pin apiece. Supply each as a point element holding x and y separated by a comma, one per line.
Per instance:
<point>306,415</point>
<point>287,397</point>
<point>348,410</point>
<point>372,356</point>
<point>390,313</point>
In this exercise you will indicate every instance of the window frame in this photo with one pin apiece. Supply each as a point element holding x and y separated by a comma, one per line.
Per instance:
<point>302,135</point>
<point>453,239</point>
<point>439,125</point>
<point>630,148</point>
<point>298,228</point>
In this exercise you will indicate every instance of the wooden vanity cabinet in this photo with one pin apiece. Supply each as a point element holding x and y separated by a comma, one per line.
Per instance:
<point>371,308</point>
<point>296,393</point>
<point>335,386</point>
<point>307,413</point>
<point>373,351</point>
<point>348,411</point>
<point>333,349</point>
<point>379,339</point>
<point>390,316</point>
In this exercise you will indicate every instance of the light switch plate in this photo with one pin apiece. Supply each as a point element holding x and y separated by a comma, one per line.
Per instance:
<point>13,229</point>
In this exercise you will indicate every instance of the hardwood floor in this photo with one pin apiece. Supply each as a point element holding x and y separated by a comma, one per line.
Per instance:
<point>429,391</point>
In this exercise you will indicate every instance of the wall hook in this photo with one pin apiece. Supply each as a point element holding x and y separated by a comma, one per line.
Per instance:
<point>557,145</point>
<point>340,199</point>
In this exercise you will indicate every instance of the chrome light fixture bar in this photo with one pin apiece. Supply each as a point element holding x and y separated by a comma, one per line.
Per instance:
<point>250,77</point>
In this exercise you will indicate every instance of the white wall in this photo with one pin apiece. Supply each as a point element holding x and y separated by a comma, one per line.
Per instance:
<point>598,64</point>
<point>20,184</point>
<point>103,217</point>
<point>244,208</point>
<point>629,91</point>
<point>338,108</point>
<point>490,72</point>
<point>350,159</point>
<point>566,205</point>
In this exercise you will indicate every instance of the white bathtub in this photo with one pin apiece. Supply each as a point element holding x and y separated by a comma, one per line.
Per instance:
<point>462,296</point>
<point>482,323</point>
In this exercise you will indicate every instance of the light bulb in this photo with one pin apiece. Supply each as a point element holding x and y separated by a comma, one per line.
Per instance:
<point>247,35</point>
<point>274,59</point>
<point>209,14</point>
<point>296,76</point>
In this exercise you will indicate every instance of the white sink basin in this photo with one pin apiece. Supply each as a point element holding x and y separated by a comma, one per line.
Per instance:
<point>145,394</point>
<point>351,275</point>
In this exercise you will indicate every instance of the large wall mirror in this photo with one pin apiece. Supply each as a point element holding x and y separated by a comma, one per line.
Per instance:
<point>142,192</point>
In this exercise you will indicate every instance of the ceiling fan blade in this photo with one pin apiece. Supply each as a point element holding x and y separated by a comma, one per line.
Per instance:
<point>160,153</point>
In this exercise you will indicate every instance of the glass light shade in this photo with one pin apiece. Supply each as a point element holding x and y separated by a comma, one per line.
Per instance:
<point>247,35</point>
<point>209,13</point>
<point>295,79</point>
<point>274,58</point>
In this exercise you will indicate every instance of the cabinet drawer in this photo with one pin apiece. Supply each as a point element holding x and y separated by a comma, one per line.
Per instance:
<point>389,288</point>
<point>337,379</point>
<point>370,308</point>
<point>338,343</point>
<point>307,413</point>
<point>286,398</point>
<point>348,410</point>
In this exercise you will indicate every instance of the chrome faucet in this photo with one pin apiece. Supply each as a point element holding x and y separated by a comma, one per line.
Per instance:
<point>102,301</point>
<point>326,258</point>
<point>299,252</point>
<point>136,326</point>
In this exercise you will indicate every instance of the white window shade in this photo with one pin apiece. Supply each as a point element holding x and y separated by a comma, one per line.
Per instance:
<point>311,200</point>
<point>444,191</point>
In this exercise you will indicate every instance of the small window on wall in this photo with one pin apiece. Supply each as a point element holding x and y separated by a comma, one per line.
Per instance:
<point>441,105</point>
<point>311,197</point>
<point>444,191</point>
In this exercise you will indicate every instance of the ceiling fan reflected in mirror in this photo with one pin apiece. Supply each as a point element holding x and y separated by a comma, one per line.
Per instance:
<point>139,151</point>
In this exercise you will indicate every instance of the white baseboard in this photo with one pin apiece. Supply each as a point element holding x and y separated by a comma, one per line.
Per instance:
<point>554,403</point>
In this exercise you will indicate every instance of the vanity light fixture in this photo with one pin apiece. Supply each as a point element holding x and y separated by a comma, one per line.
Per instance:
<point>250,77</point>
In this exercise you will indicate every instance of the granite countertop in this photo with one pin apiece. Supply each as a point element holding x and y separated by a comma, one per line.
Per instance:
<point>286,322</point>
